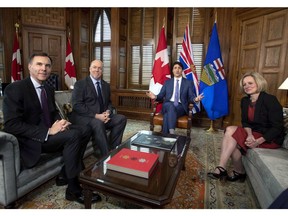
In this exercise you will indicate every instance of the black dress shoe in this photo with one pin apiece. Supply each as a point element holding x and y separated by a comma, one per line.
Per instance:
<point>237,176</point>
<point>79,197</point>
<point>222,175</point>
<point>61,181</point>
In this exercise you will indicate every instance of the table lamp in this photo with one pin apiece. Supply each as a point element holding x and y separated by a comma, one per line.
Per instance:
<point>284,86</point>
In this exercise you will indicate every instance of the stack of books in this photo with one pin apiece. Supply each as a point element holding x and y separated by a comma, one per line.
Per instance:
<point>132,162</point>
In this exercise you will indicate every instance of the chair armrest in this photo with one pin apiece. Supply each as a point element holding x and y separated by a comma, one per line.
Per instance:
<point>190,110</point>
<point>9,167</point>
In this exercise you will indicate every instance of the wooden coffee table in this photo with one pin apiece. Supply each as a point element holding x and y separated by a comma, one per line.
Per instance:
<point>154,192</point>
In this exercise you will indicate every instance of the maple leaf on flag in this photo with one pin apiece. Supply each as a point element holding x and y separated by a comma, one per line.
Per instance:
<point>161,69</point>
<point>70,72</point>
<point>16,70</point>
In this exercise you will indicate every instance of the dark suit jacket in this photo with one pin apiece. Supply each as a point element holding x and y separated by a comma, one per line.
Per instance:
<point>186,92</point>
<point>23,117</point>
<point>85,99</point>
<point>268,117</point>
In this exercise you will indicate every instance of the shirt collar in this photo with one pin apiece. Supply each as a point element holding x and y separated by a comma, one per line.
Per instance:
<point>35,83</point>
<point>95,80</point>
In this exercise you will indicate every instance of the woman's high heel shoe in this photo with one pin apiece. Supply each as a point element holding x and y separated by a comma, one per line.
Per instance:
<point>222,175</point>
<point>237,176</point>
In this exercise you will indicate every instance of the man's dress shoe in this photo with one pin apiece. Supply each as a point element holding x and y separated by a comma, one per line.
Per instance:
<point>79,197</point>
<point>61,181</point>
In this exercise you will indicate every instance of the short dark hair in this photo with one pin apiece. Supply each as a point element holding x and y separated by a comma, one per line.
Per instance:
<point>178,63</point>
<point>39,54</point>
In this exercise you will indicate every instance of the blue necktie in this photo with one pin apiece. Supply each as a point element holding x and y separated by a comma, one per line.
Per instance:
<point>176,99</point>
<point>100,97</point>
<point>44,103</point>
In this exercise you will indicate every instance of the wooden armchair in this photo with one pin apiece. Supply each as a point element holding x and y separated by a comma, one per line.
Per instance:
<point>184,122</point>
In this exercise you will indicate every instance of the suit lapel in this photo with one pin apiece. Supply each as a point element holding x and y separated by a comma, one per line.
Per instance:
<point>91,86</point>
<point>31,89</point>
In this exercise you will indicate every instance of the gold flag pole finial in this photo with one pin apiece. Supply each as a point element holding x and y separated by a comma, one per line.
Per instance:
<point>17,29</point>
<point>17,26</point>
<point>68,30</point>
<point>163,21</point>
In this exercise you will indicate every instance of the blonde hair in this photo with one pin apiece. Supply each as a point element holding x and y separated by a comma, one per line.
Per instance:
<point>259,79</point>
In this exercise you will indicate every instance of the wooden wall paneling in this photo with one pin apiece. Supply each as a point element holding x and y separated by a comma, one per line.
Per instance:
<point>122,51</point>
<point>85,42</point>
<point>54,18</point>
<point>274,49</point>
<point>9,17</point>
<point>2,59</point>
<point>233,67</point>
<point>73,23</point>
<point>261,48</point>
<point>224,27</point>
<point>37,40</point>
<point>116,32</point>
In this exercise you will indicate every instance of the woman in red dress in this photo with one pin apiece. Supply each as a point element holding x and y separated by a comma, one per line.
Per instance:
<point>262,127</point>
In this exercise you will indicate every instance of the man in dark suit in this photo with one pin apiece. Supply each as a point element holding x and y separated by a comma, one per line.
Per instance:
<point>176,94</point>
<point>92,106</point>
<point>30,114</point>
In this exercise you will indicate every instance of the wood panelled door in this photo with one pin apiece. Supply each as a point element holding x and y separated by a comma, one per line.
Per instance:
<point>262,48</point>
<point>44,40</point>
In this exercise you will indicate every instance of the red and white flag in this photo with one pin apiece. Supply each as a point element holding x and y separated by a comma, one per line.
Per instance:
<point>161,68</point>
<point>70,72</point>
<point>16,70</point>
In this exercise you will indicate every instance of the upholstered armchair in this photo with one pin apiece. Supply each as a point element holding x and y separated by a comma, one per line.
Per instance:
<point>184,122</point>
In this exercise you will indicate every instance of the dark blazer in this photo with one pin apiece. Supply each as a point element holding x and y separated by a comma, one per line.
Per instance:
<point>186,92</point>
<point>23,117</point>
<point>85,98</point>
<point>268,117</point>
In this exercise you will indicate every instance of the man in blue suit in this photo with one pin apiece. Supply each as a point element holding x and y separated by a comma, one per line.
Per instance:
<point>176,94</point>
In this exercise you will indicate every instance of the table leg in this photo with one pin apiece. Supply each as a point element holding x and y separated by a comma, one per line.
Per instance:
<point>87,198</point>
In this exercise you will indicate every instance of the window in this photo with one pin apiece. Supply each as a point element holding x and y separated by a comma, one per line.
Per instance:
<point>102,40</point>
<point>142,47</point>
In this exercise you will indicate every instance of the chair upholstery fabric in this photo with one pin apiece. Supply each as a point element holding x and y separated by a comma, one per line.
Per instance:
<point>14,182</point>
<point>184,122</point>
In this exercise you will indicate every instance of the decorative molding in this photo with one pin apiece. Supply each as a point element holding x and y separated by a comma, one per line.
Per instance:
<point>49,17</point>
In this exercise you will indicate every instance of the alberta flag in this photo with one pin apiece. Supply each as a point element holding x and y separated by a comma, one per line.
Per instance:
<point>161,69</point>
<point>70,72</point>
<point>213,81</point>
<point>189,69</point>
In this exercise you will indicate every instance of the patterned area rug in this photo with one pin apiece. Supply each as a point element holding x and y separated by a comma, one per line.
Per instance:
<point>194,190</point>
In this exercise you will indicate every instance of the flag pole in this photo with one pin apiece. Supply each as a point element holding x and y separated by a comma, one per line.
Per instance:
<point>17,27</point>
<point>211,129</point>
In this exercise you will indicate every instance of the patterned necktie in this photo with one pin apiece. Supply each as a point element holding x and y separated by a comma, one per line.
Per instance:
<point>176,99</point>
<point>100,97</point>
<point>44,103</point>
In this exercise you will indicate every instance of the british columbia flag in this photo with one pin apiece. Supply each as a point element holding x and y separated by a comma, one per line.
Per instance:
<point>189,69</point>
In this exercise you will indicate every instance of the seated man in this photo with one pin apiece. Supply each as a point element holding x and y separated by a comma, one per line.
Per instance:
<point>92,106</point>
<point>30,114</point>
<point>176,93</point>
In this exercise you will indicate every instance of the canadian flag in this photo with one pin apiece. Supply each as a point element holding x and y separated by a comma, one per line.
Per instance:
<point>161,69</point>
<point>70,72</point>
<point>16,70</point>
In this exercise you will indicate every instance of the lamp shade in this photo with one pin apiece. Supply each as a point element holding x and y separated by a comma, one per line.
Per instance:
<point>284,85</point>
